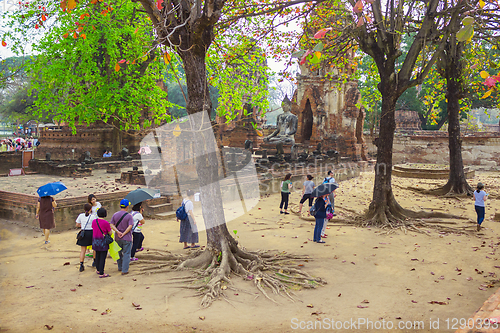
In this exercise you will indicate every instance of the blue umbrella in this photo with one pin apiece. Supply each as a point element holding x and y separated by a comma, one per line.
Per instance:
<point>51,189</point>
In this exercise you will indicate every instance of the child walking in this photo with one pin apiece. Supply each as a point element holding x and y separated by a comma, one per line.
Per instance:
<point>479,196</point>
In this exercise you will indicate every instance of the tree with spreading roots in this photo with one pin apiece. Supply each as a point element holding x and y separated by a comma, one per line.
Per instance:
<point>188,28</point>
<point>453,67</point>
<point>378,34</point>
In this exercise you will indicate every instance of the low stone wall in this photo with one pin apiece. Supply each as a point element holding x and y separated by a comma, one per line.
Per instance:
<point>22,207</point>
<point>481,151</point>
<point>444,173</point>
<point>10,160</point>
<point>73,168</point>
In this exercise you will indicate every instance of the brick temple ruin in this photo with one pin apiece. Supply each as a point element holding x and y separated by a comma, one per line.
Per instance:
<point>63,144</point>
<point>327,112</point>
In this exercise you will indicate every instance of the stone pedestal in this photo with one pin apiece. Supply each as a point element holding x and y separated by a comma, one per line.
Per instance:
<point>113,168</point>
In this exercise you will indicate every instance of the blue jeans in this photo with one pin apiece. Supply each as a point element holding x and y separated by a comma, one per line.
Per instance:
<point>317,229</point>
<point>124,253</point>
<point>480,214</point>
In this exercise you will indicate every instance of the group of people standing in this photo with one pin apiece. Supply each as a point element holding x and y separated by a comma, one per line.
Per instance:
<point>323,207</point>
<point>18,144</point>
<point>126,226</point>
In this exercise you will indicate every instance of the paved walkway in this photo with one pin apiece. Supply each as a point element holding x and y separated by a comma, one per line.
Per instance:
<point>479,322</point>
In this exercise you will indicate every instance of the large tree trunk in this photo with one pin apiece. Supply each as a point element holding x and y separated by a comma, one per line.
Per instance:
<point>207,164</point>
<point>384,209</point>
<point>457,183</point>
<point>450,62</point>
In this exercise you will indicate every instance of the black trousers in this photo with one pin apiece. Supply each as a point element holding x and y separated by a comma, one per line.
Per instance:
<point>100,261</point>
<point>284,200</point>
<point>138,237</point>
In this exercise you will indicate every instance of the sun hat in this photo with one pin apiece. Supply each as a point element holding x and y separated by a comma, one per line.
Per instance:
<point>124,203</point>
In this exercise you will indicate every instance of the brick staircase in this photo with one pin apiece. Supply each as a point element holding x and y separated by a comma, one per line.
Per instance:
<point>163,207</point>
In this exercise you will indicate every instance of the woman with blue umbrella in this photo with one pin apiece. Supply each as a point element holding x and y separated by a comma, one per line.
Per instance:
<point>46,205</point>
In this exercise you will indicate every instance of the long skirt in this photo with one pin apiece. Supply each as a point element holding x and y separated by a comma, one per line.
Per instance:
<point>189,234</point>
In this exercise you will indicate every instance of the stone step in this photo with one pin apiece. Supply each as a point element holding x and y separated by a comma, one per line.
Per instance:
<point>158,201</point>
<point>161,208</point>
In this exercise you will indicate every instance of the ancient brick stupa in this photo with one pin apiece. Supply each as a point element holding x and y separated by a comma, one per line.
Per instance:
<point>327,111</point>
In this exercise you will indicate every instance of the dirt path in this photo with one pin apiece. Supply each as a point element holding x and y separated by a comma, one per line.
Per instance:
<point>385,279</point>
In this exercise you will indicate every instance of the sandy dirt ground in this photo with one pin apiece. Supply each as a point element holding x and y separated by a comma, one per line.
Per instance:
<point>99,182</point>
<point>376,281</point>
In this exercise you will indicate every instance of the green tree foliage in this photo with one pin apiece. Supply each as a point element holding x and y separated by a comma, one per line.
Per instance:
<point>93,63</point>
<point>237,67</point>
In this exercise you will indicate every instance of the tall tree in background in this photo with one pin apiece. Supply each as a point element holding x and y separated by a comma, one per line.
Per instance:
<point>431,21</point>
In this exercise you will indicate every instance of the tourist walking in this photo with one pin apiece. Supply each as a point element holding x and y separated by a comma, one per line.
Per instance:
<point>480,196</point>
<point>320,208</point>
<point>84,221</point>
<point>286,185</point>
<point>100,228</point>
<point>122,223</point>
<point>137,236</point>
<point>45,214</point>
<point>306,192</point>
<point>188,229</point>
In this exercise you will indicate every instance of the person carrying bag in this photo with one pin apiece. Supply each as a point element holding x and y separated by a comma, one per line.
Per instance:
<point>101,240</point>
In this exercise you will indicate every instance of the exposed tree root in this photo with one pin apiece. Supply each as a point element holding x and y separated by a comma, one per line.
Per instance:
<point>449,190</point>
<point>393,217</point>
<point>271,274</point>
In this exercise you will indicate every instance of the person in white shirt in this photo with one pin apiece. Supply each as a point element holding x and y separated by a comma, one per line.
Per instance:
<point>84,221</point>
<point>95,204</point>
<point>480,196</point>
<point>137,235</point>
<point>188,230</point>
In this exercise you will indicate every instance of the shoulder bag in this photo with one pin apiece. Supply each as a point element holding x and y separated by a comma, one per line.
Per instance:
<point>107,238</point>
<point>80,233</point>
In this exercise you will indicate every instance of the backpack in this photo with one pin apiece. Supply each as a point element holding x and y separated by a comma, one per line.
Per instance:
<point>180,213</point>
<point>313,210</point>
<point>327,180</point>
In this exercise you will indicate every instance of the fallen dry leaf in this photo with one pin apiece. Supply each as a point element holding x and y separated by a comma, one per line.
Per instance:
<point>135,305</point>
<point>66,263</point>
<point>310,306</point>
<point>49,327</point>
<point>438,302</point>
<point>202,317</point>
<point>362,306</point>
